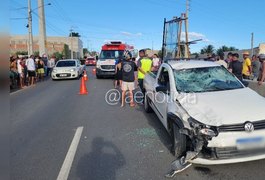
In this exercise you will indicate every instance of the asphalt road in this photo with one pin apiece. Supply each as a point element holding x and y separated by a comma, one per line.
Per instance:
<point>116,143</point>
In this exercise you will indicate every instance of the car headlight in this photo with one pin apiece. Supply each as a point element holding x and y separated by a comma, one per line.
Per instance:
<point>208,132</point>
<point>72,70</point>
<point>202,129</point>
<point>98,65</point>
<point>54,70</point>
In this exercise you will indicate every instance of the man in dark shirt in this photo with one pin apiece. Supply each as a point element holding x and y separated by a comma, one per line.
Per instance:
<point>128,78</point>
<point>236,66</point>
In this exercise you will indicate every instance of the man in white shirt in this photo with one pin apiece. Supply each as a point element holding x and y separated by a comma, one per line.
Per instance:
<point>50,65</point>
<point>221,62</point>
<point>30,63</point>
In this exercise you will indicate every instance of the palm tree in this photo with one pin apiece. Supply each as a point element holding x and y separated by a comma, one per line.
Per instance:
<point>232,49</point>
<point>208,49</point>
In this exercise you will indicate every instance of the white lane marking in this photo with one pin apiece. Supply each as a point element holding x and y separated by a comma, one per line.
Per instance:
<point>66,167</point>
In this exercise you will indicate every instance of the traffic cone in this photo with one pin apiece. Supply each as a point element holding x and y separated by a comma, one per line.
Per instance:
<point>94,71</point>
<point>85,76</point>
<point>83,89</point>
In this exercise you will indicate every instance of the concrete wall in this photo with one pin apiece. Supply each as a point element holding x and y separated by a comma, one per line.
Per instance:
<point>53,44</point>
<point>259,89</point>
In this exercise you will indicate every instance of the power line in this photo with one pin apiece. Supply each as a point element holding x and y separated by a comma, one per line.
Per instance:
<point>51,26</point>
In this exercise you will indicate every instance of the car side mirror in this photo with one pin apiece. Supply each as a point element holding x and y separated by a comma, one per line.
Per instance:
<point>162,89</point>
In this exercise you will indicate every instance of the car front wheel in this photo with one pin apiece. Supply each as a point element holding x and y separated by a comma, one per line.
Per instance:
<point>178,141</point>
<point>147,106</point>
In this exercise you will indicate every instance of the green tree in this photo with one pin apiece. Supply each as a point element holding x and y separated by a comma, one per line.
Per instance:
<point>74,34</point>
<point>66,51</point>
<point>208,49</point>
<point>21,53</point>
<point>231,48</point>
<point>85,51</point>
<point>36,53</point>
<point>220,52</point>
<point>93,53</point>
<point>58,55</point>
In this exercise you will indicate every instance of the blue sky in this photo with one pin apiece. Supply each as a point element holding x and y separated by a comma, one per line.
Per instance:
<point>140,22</point>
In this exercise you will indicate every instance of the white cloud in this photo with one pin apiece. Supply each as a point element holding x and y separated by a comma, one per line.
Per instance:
<point>131,34</point>
<point>194,36</point>
<point>139,34</point>
<point>126,33</point>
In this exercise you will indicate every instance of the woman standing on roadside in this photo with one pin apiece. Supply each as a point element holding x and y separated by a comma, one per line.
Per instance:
<point>118,74</point>
<point>20,69</point>
<point>40,69</point>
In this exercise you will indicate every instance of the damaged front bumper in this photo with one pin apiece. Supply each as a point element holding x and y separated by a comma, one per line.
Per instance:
<point>199,135</point>
<point>209,147</point>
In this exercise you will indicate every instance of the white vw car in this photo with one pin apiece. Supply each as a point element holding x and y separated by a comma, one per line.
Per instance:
<point>210,115</point>
<point>67,69</point>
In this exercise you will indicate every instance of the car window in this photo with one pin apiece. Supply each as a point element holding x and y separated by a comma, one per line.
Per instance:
<point>164,78</point>
<point>111,54</point>
<point>66,64</point>
<point>205,80</point>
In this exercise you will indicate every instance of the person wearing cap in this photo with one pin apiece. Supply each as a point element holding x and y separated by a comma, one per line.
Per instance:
<point>128,67</point>
<point>144,65</point>
<point>247,69</point>
<point>262,69</point>
<point>235,66</point>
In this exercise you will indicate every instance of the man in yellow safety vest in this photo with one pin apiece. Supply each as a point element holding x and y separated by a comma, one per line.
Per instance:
<point>144,65</point>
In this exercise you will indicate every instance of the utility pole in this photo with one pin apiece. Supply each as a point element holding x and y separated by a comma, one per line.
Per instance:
<point>42,28</point>
<point>71,35</point>
<point>30,41</point>
<point>187,53</point>
<point>252,44</point>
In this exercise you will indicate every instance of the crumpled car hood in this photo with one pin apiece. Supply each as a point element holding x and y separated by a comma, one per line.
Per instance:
<point>226,107</point>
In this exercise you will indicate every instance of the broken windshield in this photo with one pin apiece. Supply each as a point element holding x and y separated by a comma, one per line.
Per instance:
<point>205,80</point>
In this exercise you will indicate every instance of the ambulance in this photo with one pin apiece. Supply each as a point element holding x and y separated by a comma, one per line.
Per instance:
<point>110,54</point>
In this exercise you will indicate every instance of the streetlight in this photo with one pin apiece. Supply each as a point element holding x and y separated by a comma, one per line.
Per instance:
<point>30,49</point>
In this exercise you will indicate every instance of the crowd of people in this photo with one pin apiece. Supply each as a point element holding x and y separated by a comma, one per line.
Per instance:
<point>249,69</point>
<point>131,72</point>
<point>26,71</point>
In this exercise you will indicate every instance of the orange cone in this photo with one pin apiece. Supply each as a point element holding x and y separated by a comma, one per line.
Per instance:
<point>83,89</point>
<point>94,71</point>
<point>85,76</point>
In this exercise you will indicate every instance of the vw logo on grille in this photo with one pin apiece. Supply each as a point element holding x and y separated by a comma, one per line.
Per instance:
<point>249,127</point>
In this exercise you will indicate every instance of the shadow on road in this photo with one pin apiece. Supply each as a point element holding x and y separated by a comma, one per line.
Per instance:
<point>102,163</point>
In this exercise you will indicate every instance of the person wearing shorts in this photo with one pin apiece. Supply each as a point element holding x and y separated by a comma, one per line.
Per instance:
<point>40,69</point>
<point>128,78</point>
<point>30,63</point>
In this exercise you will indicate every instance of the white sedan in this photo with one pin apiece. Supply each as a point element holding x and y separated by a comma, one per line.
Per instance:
<point>212,118</point>
<point>67,69</point>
